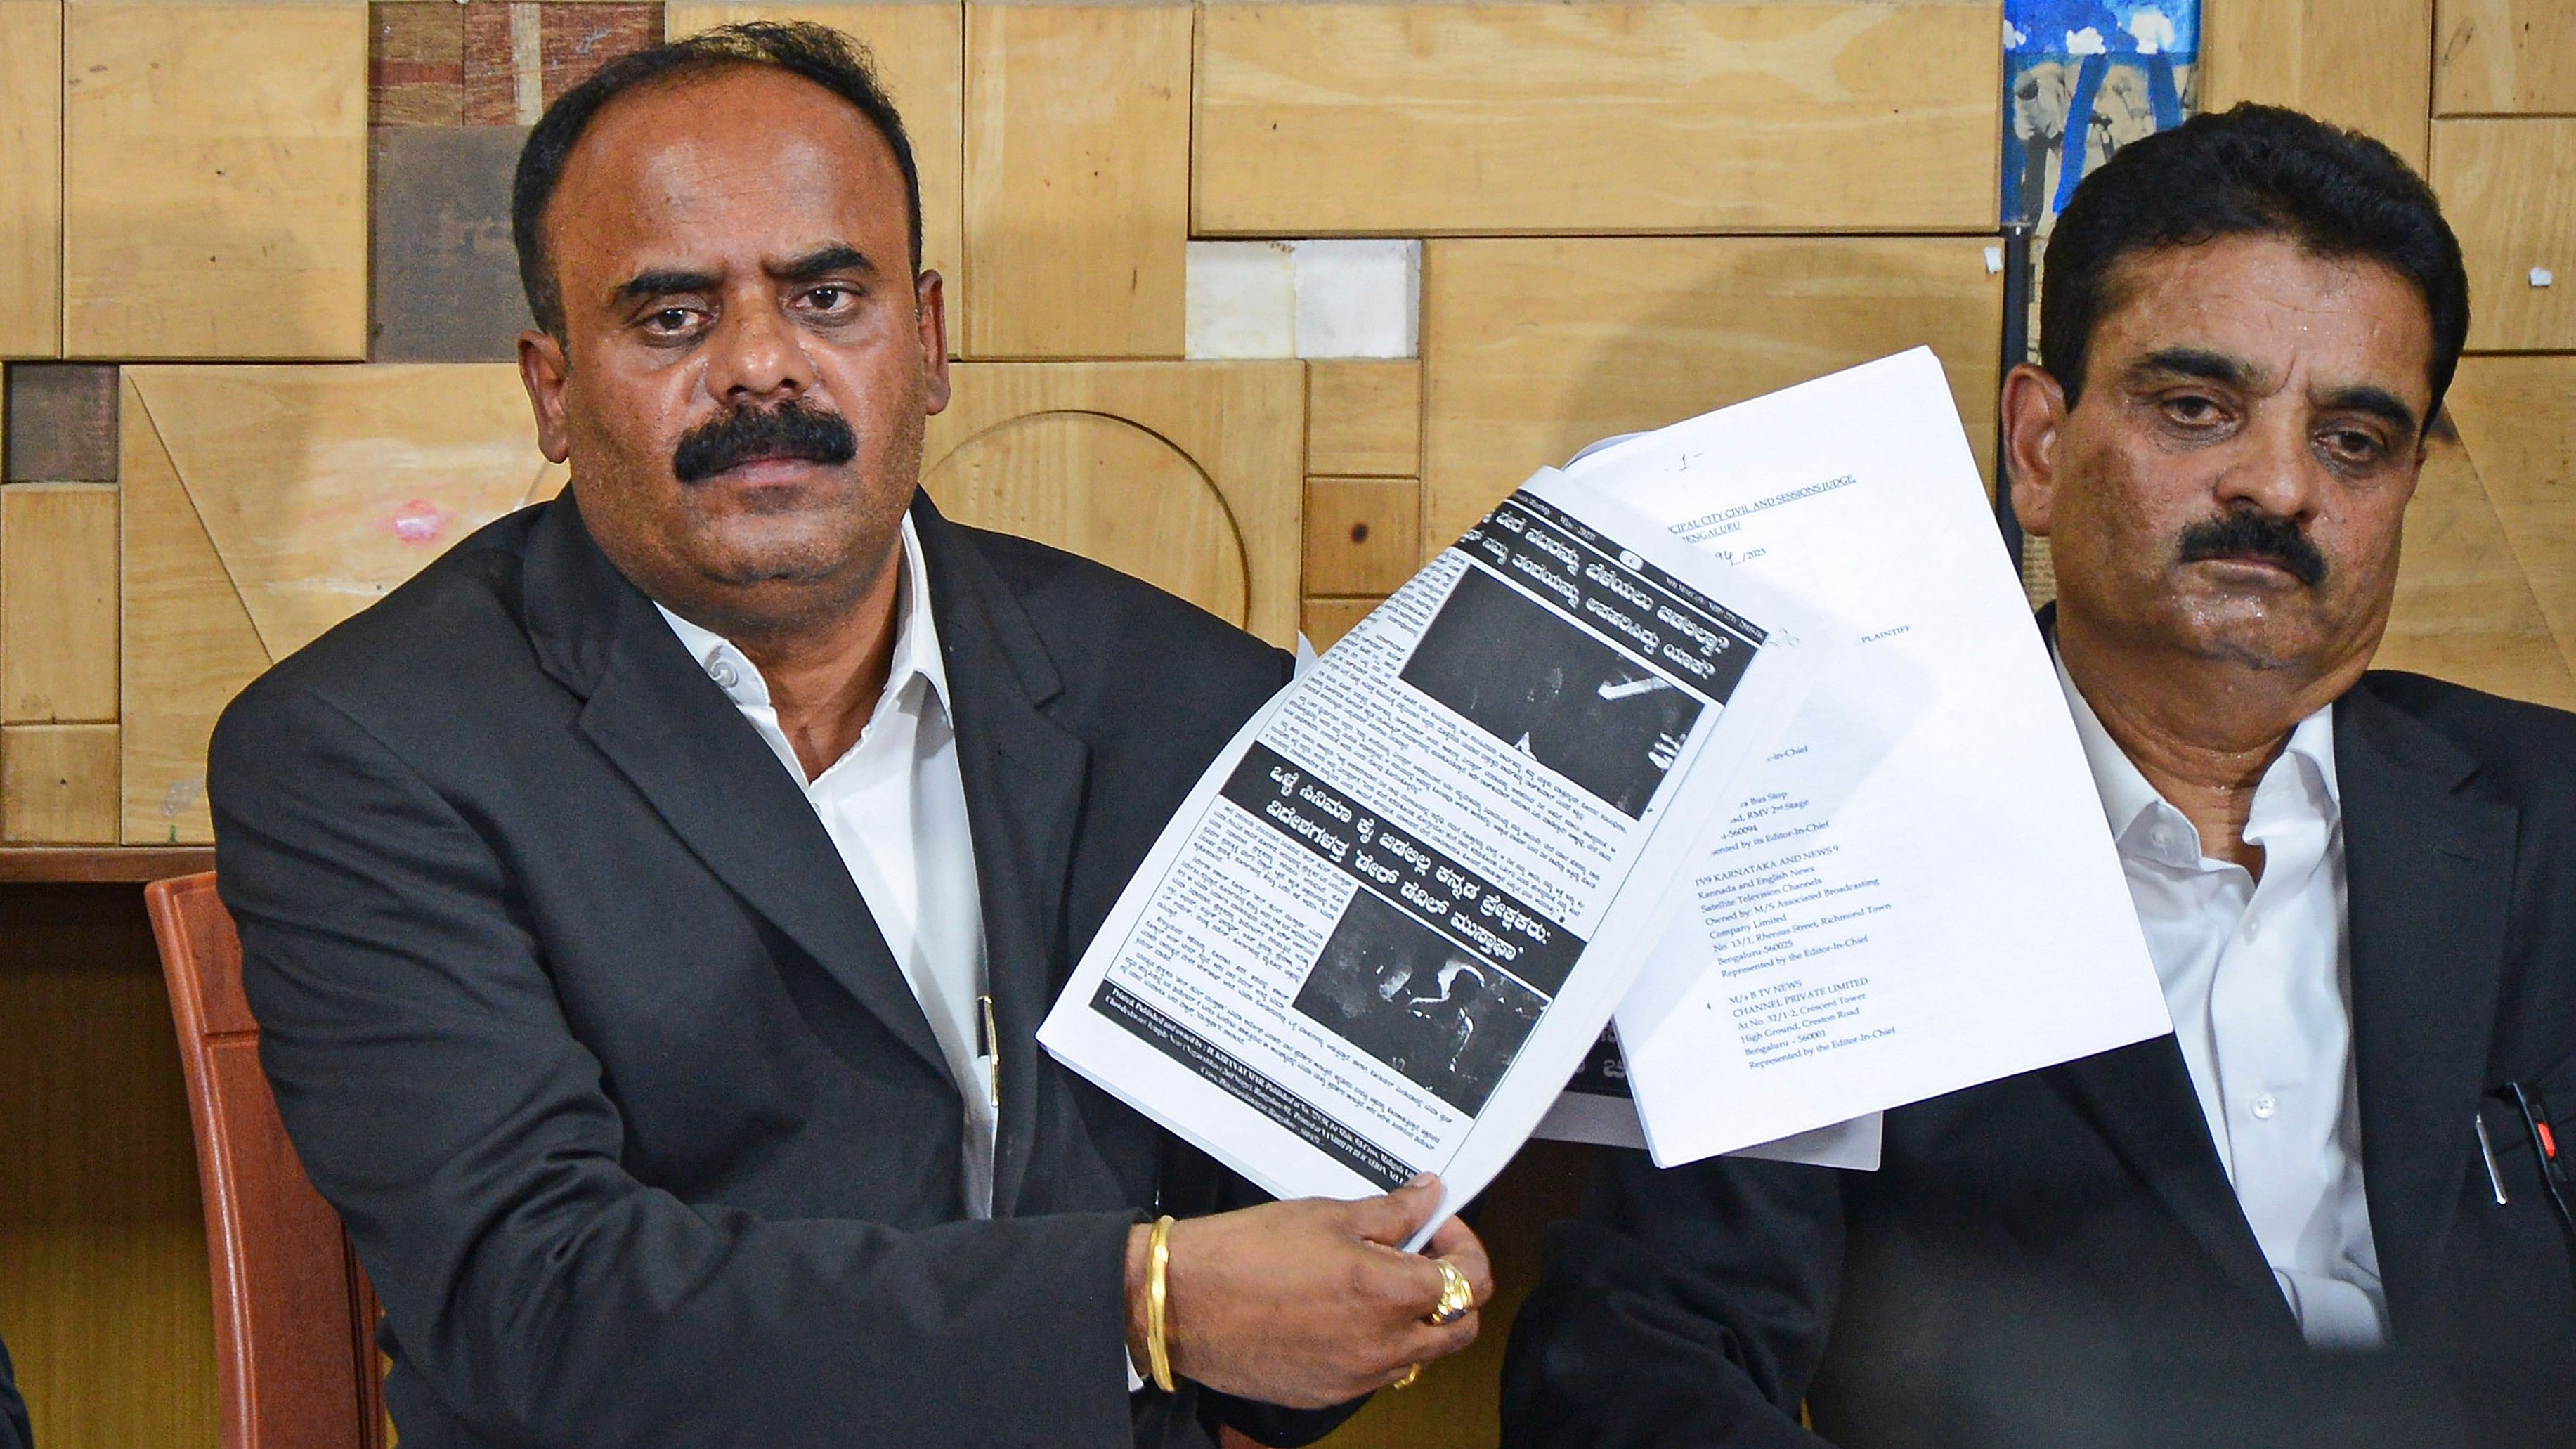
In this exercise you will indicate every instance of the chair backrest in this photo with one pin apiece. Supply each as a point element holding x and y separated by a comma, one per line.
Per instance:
<point>295,1317</point>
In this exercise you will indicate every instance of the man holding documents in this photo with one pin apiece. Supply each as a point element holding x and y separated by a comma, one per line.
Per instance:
<point>649,909</point>
<point>2327,1209</point>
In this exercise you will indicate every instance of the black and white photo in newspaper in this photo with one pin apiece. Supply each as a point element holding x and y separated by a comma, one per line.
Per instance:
<point>1397,911</point>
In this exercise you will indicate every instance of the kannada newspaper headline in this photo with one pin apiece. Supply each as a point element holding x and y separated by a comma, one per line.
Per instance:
<point>1398,910</point>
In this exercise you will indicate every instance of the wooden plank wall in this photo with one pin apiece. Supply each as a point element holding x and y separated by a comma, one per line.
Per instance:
<point>31,178</point>
<point>215,179</point>
<point>2497,607</point>
<point>1505,119</point>
<point>258,302</point>
<point>1077,178</point>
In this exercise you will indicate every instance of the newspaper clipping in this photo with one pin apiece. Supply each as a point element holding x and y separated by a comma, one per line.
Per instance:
<point>1397,912</point>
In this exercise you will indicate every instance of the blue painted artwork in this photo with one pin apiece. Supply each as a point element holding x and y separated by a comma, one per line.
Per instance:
<point>2103,72</point>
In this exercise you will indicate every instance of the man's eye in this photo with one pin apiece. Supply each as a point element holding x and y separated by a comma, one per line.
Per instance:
<point>2353,444</point>
<point>669,319</point>
<point>827,299</point>
<point>2190,409</point>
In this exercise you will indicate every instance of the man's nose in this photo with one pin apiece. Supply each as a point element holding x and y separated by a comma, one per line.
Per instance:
<point>757,354</point>
<point>2274,470</point>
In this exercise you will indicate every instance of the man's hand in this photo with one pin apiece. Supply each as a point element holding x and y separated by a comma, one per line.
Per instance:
<point>1307,1303</point>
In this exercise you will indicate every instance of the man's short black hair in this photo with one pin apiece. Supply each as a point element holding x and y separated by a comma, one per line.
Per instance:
<point>2254,170</point>
<point>819,54</point>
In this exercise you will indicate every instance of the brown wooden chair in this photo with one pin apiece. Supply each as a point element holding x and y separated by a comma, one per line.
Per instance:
<point>295,1317</point>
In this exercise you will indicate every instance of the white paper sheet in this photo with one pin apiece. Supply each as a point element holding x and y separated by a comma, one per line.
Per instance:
<point>1400,906</point>
<point>1612,1122</point>
<point>1920,893</point>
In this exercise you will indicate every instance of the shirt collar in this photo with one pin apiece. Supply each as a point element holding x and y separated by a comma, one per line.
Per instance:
<point>916,641</point>
<point>2126,795</point>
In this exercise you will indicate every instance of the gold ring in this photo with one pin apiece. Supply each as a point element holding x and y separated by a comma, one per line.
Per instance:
<point>1410,1375</point>
<point>1456,1297</point>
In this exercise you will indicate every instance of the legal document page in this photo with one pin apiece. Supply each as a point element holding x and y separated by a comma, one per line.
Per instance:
<point>1918,893</point>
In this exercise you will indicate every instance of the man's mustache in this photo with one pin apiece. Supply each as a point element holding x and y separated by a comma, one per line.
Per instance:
<point>2265,535</point>
<point>791,430</point>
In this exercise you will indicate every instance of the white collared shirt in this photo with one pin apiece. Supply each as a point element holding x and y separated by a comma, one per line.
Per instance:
<point>2258,975</point>
<point>895,808</point>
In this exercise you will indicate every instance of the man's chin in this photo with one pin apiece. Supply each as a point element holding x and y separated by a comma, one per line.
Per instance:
<point>2259,629</point>
<point>742,552</point>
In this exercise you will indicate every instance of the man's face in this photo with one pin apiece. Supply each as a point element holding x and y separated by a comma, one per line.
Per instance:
<point>748,361</point>
<point>2232,482</point>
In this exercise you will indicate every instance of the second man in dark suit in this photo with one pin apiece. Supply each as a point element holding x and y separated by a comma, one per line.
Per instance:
<point>2314,1214</point>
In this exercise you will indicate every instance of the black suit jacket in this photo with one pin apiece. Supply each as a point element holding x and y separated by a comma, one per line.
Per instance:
<point>575,1015</point>
<point>2058,1258</point>
<point>14,1431</point>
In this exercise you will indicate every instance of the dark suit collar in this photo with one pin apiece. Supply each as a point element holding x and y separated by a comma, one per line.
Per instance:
<point>2428,865</point>
<point>685,747</point>
<point>1024,777</point>
<point>964,586</point>
<point>571,595</point>
<point>2140,1099</point>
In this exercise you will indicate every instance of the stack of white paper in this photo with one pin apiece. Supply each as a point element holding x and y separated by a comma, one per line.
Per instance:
<point>1394,917</point>
<point>1919,893</point>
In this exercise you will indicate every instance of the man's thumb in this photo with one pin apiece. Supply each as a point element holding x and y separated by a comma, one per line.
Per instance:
<point>1395,1217</point>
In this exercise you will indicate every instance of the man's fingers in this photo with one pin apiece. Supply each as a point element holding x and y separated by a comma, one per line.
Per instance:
<point>1420,1343</point>
<point>1421,1348</point>
<point>1392,1219</point>
<point>1459,1244</point>
<point>1426,1342</point>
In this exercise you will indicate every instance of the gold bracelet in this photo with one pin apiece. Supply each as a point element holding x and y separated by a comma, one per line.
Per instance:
<point>1158,1262</point>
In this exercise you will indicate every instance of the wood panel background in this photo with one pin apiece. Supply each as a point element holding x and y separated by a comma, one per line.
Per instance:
<point>2505,185</point>
<point>1465,119</point>
<point>265,504</point>
<point>1077,178</point>
<point>1635,210</point>
<point>1534,348</point>
<point>31,178</point>
<point>58,603</point>
<point>2359,63</point>
<point>215,179</point>
<point>1184,474</point>
<point>2504,56</point>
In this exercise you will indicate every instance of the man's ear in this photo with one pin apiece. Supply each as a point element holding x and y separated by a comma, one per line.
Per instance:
<point>2034,409</point>
<point>930,320</point>
<point>543,369</point>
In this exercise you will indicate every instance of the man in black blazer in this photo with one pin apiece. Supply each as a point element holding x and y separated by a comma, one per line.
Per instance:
<point>598,937</point>
<point>14,1430</point>
<point>2311,1216</point>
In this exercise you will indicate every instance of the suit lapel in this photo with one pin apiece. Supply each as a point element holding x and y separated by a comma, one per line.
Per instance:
<point>2429,871</point>
<point>689,752</point>
<point>1024,778</point>
<point>2140,1098</point>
